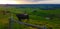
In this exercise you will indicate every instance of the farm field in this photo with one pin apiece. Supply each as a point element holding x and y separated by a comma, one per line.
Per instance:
<point>36,18</point>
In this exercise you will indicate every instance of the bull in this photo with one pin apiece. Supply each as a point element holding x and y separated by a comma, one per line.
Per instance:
<point>22,17</point>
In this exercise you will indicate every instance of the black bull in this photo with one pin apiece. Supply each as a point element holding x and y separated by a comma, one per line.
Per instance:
<point>22,17</point>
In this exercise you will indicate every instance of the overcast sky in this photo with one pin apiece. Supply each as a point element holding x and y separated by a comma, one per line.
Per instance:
<point>30,1</point>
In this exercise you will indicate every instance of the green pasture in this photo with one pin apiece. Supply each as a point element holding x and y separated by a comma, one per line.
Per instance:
<point>34,18</point>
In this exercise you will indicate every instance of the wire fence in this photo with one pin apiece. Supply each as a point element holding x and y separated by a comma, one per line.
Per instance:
<point>11,21</point>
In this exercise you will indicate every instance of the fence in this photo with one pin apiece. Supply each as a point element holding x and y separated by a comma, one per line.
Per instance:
<point>11,21</point>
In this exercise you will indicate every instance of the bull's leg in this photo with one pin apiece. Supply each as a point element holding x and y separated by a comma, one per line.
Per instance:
<point>20,19</point>
<point>27,20</point>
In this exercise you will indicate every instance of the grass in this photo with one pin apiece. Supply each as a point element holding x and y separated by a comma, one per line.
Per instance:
<point>34,19</point>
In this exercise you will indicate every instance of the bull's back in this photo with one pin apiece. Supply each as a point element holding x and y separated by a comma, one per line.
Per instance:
<point>22,16</point>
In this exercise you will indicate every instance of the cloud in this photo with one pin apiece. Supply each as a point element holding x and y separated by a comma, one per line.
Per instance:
<point>28,0</point>
<point>39,1</point>
<point>32,1</point>
<point>50,2</point>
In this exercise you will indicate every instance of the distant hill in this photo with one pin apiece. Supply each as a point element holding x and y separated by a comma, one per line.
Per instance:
<point>43,6</point>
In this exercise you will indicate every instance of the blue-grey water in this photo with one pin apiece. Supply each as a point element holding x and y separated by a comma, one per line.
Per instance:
<point>43,6</point>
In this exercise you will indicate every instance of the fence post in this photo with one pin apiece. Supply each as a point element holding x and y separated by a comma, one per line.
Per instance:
<point>11,22</point>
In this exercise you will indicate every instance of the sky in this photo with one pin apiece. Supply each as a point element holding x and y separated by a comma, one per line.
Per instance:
<point>29,1</point>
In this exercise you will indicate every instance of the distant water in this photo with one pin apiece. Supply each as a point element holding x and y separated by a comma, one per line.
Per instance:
<point>44,6</point>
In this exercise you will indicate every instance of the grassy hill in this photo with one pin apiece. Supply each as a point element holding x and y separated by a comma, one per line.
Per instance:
<point>36,18</point>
